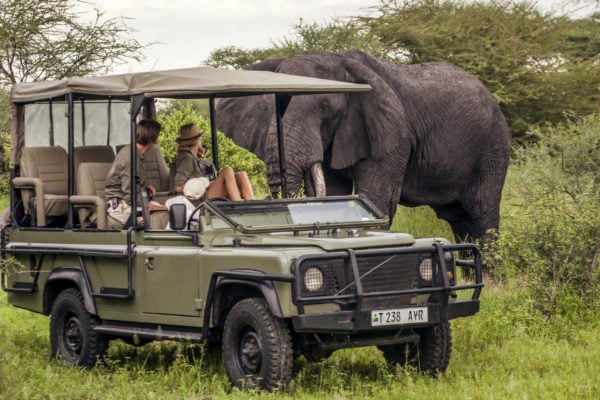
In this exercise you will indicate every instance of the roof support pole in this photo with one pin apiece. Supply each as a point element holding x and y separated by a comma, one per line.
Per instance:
<point>281,102</point>
<point>213,132</point>
<point>136,105</point>
<point>70,151</point>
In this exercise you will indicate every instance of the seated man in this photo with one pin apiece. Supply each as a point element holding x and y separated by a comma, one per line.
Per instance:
<point>118,181</point>
<point>194,192</point>
<point>187,165</point>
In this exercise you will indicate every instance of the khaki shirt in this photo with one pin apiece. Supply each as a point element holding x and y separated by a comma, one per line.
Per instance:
<point>118,181</point>
<point>188,166</point>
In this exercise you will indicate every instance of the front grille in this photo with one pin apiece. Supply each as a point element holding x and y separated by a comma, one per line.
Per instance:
<point>387,273</point>
<point>377,273</point>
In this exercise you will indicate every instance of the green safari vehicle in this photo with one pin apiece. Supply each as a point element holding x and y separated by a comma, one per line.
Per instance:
<point>268,280</point>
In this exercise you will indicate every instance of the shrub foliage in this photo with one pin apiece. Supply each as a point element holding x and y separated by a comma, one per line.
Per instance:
<point>550,234</point>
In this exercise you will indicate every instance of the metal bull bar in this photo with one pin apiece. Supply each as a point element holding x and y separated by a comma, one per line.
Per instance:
<point>359,295</point>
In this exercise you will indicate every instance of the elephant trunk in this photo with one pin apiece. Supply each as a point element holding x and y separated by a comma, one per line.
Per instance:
<point>303,149</point>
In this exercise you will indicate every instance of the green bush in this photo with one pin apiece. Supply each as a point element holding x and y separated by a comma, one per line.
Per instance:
<point>230,154</point>
<point>4,141</point>
<point>550,232</point>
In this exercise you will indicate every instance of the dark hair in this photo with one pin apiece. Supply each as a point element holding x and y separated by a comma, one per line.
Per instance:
<point>147,131</point>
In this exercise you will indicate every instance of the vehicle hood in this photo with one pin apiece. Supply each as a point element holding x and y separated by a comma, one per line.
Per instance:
<point>331,242</point>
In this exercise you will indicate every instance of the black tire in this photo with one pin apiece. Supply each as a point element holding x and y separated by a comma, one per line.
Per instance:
<point>257,347</point>
<point>72,334</point>
<point>431,355</point>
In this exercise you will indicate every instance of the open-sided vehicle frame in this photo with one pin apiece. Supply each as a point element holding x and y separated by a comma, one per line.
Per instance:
<point>269,279</point>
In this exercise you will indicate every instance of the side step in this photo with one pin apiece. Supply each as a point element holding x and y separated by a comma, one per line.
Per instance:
<point>157,333</point>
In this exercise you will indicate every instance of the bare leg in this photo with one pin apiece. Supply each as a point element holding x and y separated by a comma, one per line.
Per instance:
<point>244,185</point>
<point>224,186</point>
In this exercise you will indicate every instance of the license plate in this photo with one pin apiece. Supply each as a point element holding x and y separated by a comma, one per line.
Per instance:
<point>399,316</point>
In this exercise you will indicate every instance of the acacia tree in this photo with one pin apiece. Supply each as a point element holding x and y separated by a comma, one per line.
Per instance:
<point>337,35</point>
<point>538,65</point>
<point>42,40</point>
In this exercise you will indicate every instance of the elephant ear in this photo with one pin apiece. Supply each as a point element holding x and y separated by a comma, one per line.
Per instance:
<point>375,122</point>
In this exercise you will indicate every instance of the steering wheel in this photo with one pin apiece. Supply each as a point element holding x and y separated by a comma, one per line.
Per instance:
<point>198,210</point>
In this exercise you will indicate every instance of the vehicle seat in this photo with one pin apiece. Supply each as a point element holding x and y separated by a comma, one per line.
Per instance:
<point>159,219</point>
<point>157,172</point>
<point>156,168</point>
<point>43,183</point>
<point>92,154</point>
<point>90,200</point>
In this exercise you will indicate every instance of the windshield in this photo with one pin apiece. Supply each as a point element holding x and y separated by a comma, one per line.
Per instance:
<point>286,213</point>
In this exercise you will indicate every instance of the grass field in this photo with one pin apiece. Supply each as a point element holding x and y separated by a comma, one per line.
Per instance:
<point>507,351</point>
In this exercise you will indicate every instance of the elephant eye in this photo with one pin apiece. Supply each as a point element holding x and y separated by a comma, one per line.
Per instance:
<point>323,107</point>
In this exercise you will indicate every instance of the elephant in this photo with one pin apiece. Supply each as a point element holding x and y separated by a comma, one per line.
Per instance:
<point>426,134</point>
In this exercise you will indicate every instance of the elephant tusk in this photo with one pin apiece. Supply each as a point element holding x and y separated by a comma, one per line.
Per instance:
<point>318,180</point>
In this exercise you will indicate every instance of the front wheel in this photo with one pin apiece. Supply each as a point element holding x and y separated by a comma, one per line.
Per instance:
<point>257,346</point>
<point>72,334</point>
<point>430,355</point>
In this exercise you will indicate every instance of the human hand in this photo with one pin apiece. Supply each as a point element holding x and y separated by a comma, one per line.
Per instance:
<point>201,151</point>
<point>152,190</point>
<point>155,206</point>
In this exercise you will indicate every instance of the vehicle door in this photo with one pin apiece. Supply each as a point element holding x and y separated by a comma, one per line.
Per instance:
<point>169,268</point>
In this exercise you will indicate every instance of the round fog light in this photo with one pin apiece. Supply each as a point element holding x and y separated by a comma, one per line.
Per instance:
<point>313,279</point>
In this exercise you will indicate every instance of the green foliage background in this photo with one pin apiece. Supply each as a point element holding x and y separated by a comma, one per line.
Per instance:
<point>550,228</point>
<point>230,154</point>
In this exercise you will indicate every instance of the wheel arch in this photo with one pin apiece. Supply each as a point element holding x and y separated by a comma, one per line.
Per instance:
<point>230,291</point>
<point>63,278</point>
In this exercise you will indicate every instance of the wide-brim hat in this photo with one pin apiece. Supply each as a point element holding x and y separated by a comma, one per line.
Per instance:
<point>189,135</point>
<point>195,188</point>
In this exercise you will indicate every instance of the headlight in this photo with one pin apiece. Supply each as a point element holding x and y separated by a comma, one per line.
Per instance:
<point>426,269</point>
<point>448,256</point>
<point>313,279</point>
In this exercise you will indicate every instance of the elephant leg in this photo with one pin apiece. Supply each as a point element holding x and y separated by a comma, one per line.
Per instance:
<point>481,202</point>
<point>458,218</point>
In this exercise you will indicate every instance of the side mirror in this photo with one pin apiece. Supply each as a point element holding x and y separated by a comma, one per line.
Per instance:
<point>177,217</point>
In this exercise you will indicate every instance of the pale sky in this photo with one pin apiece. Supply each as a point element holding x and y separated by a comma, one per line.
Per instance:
<point>188,30</point>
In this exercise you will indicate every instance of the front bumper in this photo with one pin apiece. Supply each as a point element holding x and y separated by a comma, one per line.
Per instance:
<point>385,279</point>
<point>352,322</point>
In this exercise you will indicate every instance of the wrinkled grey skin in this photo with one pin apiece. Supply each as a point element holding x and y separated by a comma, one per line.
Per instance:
<point>427,134</point>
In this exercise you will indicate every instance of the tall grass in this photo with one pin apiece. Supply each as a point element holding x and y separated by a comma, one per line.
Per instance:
<point>507,351</point>
<point>420,222</point>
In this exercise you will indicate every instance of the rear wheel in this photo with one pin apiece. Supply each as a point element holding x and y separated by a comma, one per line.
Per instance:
<point>257,346</point>
<point>72,334</point>
<point>430,355</point>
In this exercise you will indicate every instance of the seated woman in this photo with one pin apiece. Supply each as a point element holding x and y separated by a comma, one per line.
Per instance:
<point>188,164</point>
